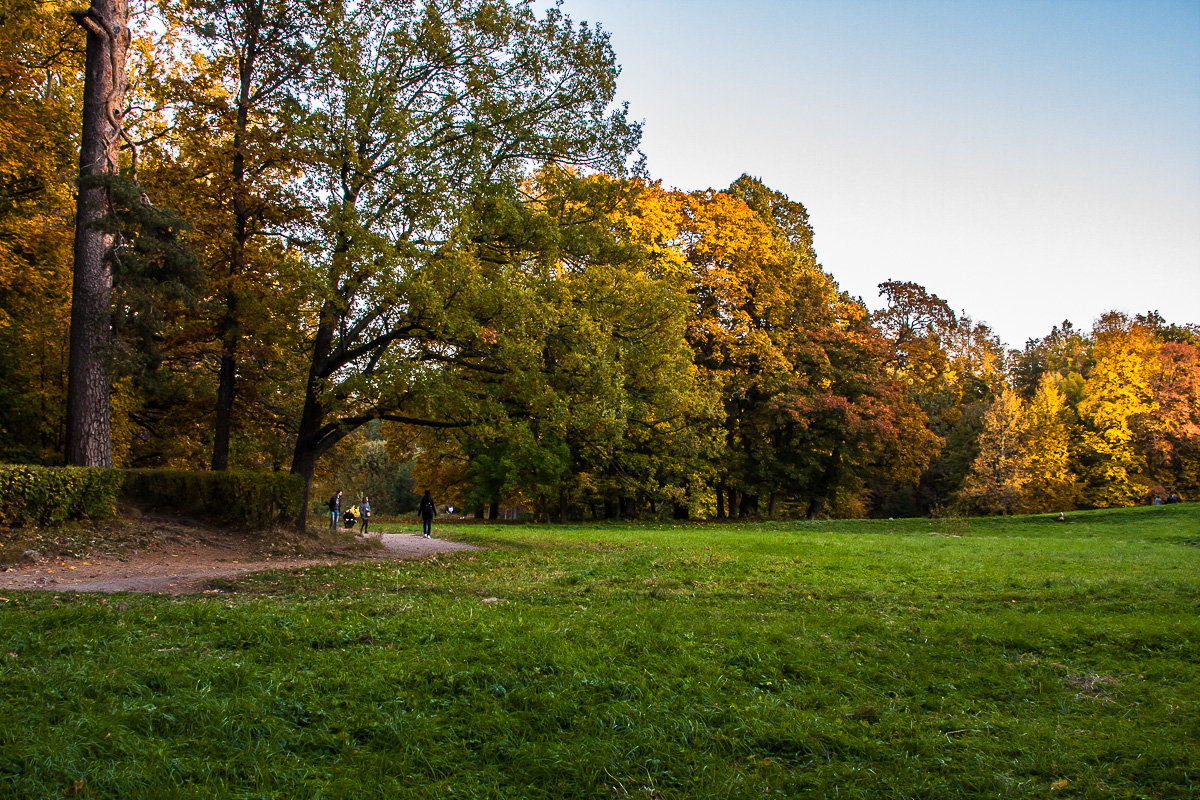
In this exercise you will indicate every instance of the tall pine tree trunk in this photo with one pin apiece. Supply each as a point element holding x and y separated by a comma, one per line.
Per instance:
<point>89,426</point>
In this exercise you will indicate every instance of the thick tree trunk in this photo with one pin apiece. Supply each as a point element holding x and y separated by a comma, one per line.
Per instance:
<point>829,480</point>
<point>494,511</point>
<point>311,441</point>
<point>816,507</point>
<point>304,467</point>
<point>772,504</point>
<point>748,506</point>
<point>89,425</point>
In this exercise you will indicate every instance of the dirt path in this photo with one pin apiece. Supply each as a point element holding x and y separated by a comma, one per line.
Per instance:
<point>184,563</point>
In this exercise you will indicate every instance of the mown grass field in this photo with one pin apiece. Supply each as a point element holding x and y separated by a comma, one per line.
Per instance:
<point>917,658</point>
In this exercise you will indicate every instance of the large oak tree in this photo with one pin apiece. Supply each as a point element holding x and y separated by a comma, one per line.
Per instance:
<point>422,111</point>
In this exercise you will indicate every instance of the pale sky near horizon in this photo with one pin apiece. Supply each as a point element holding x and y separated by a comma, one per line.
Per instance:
<point>1028,161</point>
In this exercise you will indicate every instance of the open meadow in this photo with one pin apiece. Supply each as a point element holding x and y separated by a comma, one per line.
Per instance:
<point>1000,657</point>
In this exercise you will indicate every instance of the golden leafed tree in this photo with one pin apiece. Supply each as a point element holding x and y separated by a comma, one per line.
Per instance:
<point>995,483</point>
<point>41,68</point>
<point>1118,394</point>
<point>1046,437</point>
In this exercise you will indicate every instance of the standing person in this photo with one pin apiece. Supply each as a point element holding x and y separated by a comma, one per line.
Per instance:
<point>426,510</point>
<point>364,508</point>
<point>335,509</point>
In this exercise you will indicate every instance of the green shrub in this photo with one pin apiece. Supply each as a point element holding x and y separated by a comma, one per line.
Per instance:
<point>245,499</point>
<point>32,495</point>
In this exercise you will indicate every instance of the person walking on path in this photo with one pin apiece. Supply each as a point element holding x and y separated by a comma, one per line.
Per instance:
<point>335,510</point>
<point>426,511</point>
<point>364,509</point>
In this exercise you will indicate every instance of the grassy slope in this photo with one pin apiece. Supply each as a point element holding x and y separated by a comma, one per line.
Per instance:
<point>915,658</point>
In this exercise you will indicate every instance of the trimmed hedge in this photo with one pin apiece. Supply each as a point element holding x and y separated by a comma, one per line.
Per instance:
<point>32,495</point>
<point>47,495</point>
<point>243,499</point>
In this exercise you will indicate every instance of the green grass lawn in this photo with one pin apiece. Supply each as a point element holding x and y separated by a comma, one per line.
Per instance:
<point>917,658</point>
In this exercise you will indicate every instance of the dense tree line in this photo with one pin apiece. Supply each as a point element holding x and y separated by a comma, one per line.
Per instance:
<point>1106,419</point>
<point>391,242</point>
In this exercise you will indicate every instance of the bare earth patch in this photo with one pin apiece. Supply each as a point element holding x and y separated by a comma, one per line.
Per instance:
<point>170,557</point>
<point>1093,686</point>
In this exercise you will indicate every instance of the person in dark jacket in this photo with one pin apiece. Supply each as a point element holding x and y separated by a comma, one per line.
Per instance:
<point>426,511</point>
<point>335,509</point>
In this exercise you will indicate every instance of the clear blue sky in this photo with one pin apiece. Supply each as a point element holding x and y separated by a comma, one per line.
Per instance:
<point>1029,161</point>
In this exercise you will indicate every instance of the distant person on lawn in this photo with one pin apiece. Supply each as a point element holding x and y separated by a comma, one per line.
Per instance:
<point>426,511</point>
<point>365,509</point>
<point>335,509</point>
